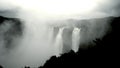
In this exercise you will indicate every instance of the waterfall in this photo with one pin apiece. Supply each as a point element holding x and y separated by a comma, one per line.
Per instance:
<point>75,39</point>
<point>50,35</point>
<point>59,43</point>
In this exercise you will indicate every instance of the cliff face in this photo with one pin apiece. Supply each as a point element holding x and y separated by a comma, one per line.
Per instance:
<point>10,28</point>
<point>105,52</point>
<point>90,29</point>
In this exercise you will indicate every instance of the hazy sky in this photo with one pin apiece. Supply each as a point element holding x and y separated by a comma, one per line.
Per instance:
<point>64,8</point>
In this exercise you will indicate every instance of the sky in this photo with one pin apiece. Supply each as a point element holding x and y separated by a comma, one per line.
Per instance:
<point>63,8</point>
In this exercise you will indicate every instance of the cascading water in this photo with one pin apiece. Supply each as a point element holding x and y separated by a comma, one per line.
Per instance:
<point>59,42</point>
<point>75,39</point>
<point>51,35</point>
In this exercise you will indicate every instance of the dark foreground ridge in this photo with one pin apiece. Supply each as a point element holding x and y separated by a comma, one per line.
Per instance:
<point>105,53</point>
